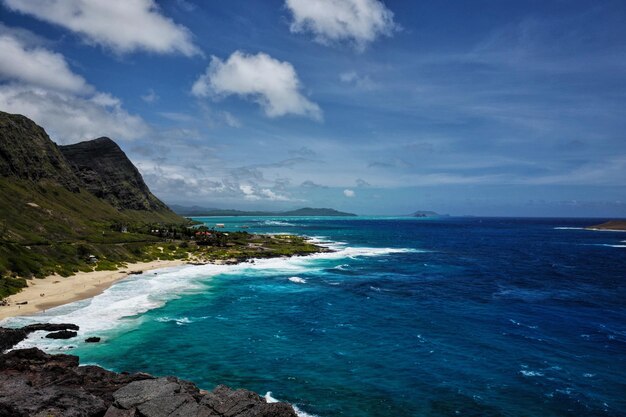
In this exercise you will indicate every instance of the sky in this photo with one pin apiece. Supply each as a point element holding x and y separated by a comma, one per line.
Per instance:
<point>495,108</point>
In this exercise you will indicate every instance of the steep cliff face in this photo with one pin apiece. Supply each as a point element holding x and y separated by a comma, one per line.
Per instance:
<point>105,171</point>
<point>50,193</point>
<point>27,153</point>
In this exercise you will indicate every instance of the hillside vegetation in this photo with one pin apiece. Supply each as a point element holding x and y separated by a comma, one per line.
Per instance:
<point>81,207</point>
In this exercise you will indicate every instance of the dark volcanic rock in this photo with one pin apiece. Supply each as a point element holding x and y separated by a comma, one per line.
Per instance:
<point>26,152</point>
<point>243,403</point>
<point>33,383</point>
<point>11,337</point>
<point>63,334</point>
<point>50,327</point>
<point>106,172</point>
<point>92,340</point>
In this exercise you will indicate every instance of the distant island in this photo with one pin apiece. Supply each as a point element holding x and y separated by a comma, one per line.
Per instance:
<point>618,225</point>
<point>196,211</point>
<point>427,214</point>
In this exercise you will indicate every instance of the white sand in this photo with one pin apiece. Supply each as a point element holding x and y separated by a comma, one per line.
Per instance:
<point>58,290</point>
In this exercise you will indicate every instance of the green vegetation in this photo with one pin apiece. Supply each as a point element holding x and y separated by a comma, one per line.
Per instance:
<point>46,229</point>
<point>17,260</point>
<point>85,207</point>
<point>9,286</point>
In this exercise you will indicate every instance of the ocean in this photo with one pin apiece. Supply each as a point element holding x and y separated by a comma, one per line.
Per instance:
<point>407,317</point>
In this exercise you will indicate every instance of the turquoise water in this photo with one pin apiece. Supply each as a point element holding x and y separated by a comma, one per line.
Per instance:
<point>409,317</point>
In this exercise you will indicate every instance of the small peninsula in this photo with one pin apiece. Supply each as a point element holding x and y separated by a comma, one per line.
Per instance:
<point>612,225</point>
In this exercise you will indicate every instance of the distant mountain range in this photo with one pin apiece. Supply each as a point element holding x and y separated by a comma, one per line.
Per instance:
<point>307,211</point>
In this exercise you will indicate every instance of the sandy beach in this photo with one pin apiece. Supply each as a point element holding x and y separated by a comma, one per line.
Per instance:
<point>55,290</point>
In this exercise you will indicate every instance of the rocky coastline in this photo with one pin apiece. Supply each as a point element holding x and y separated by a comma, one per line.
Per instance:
<point>36,384</point>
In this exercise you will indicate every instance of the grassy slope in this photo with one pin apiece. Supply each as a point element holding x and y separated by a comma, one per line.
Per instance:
<point>46,229</point>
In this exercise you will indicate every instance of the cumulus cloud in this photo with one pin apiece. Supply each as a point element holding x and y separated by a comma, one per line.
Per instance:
<point>38,66</point>
<point>355,21</point>
<point>254,193</point>
<point>121,25</point>
<point>70,118</point>
<point>273,84</point>
<point>40,85</point>
<point>349,193</point>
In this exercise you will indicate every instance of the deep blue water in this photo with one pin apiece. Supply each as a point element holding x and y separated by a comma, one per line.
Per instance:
<point>457,316</point>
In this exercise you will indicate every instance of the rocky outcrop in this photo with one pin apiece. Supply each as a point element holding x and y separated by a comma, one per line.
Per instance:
<point>105,170</point>
<point>33,383</point>
<point>27,153</point>
<point>99,165</point>
<point>63,334</point>
<point>11,337</point>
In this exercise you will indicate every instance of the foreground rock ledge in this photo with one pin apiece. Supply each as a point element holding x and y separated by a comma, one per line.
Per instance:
<point>35,384</point>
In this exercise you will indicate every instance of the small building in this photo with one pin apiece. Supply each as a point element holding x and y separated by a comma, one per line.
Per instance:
<point>92,259</point>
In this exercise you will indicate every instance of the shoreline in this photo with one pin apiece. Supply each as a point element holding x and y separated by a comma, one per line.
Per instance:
<point>60,290</point>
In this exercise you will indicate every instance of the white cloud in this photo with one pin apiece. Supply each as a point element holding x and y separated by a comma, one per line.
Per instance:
<point>349,193</point>
<point>122,25</point>
<point>356,21</point>
<point>38,66</point>
<point>362,82</point>
<point>40,85</point>
<point>69,118</point>
<point>150,96</point>
<point>230,120</point>
<point>252,193</point>
<point>248,192</point>
<point>273,84</point>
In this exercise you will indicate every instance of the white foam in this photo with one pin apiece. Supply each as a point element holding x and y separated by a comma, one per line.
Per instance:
<point>180,321</point>
<point>269,399</point>
<point>277,223</point>
<point>297,280</point>
<point>569,228</point>
<point>530,373</point>
<point>120,307</point>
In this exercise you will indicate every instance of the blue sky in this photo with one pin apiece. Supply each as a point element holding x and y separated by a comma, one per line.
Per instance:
<point>482,107</point>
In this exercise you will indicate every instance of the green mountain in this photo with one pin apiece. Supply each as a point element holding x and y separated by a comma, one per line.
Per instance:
<point>307,211</point>
<point>58,203</point>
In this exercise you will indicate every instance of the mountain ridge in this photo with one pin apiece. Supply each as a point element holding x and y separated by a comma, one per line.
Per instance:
<point>214,212</point>
<point>105,171</point>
